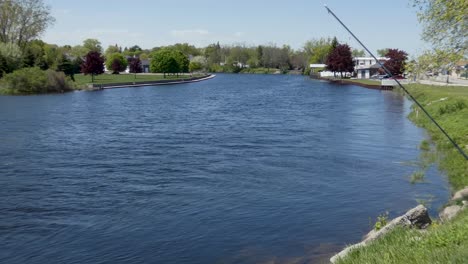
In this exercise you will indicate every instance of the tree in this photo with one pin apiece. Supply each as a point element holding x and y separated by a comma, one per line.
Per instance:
<point>396,62</point>
<point>168,61</point>
<point>182,61</point>
<point>317,50</point>
<point>23,20</point>
<point>185,48</point>
<point>66,66</point>
<point>340,60</point>
<point>52,56</point>
<point>112,49</point>
<point>195,66</point>
<point>93,64</point>
<point>33,55</point>
<point>144,56</point>
<point>382,52</point>
<point>358,53</point>
<point>445,23</point>
<point>435,61</point>
<point>92,45</point>
<point>201,60</point>
<point>11,57</point>
<point>78,51</point>
<point>116,62</point>
<point>135,65</point>
<point>213,54</point>
<point>135,48</point>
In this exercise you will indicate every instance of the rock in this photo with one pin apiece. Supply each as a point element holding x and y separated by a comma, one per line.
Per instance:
<point>450,212</point>
<point>461,195</point>
<point>417,217</point>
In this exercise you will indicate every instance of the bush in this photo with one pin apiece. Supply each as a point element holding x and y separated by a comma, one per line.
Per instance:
<point>35,81</point>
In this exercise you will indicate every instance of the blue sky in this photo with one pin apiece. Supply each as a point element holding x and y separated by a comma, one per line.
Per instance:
<point>379,23</point>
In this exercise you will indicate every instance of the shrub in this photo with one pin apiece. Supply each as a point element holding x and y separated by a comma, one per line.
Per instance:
<point>382,221</point>
<point>57,82</point>
<point>35,81</point>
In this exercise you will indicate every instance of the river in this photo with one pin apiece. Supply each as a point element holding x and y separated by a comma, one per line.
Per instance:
<point>237,169</point>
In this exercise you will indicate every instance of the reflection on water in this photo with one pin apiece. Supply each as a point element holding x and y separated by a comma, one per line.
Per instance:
<point>238,169</point>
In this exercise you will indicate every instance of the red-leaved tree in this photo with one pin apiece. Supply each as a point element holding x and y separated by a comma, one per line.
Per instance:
<point>135,65</point>
<point>340,60</point>
<point>396,62</point>
<point>93,64</point>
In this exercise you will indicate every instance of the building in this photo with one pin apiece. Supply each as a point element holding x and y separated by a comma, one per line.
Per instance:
<point>145,66</point>
<point>365,67</point>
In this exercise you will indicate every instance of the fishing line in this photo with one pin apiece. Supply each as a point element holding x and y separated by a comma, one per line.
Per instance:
<point>401,86</point>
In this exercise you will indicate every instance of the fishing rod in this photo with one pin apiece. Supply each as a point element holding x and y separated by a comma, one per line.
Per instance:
<point>401,86</point>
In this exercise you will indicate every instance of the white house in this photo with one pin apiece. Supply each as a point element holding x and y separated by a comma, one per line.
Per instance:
<point>365,67</point>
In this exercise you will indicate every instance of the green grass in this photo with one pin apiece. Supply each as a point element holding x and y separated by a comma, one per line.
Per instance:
<point>123,78</point>
<point>358,81</point>
<point>447,243</point>
<point>372,82</point>
<point>449,107</point>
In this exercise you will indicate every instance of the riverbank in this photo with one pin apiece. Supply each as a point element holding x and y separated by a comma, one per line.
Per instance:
<point>183,80</point>
<point>370,84</point>
<point>441,243</point>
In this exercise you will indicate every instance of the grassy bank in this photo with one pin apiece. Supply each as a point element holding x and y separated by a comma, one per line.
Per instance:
<point>449,107</point>
<point>446,243</point>
<point>124,78</point>
<point>363,81</point>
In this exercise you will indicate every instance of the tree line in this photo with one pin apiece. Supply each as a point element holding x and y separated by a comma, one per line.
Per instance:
<point>23,21</point>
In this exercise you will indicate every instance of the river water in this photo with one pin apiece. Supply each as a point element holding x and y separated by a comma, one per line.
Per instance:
<point>237,169</point>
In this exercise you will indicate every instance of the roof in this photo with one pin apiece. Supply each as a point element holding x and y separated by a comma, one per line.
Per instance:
<point>370,58</point>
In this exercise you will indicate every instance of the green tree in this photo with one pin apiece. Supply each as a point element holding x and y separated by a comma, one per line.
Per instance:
<point>259,52</point>
<point>195,66</point>
<point>144,56</point>
<point>213,54</point>
<point>92,45</point>
<point>358,53</point>
<point>112,49</point>
<point>78,51</point>
<point>164,61</point>
<point>182,61</point>
<point>445,23</point>
<point>33,55</point>
<point>11,57</point>
<point>185,48</point>
<point>66,66</point>
<point>23,20</point>
<point>116,62</point>
<point>382,52</point>
<point>52,56</point>
<point>318,49</point>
